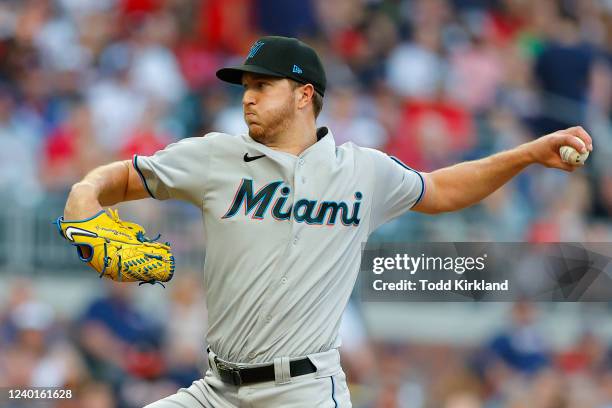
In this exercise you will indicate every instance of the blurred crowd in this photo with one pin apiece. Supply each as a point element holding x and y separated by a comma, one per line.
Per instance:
<point>515,367</point>
<point>433,82</point>
<point>116,352</point>
<point>113,353</point>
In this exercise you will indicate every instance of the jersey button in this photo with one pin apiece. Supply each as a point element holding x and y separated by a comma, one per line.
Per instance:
<point>301,162</point>
<point>252,355</point>
<point>268,319</point>
<point>284,280</point>
<point>295,240</point>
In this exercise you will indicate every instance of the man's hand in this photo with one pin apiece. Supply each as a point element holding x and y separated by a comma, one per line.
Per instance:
<point>545,150</point>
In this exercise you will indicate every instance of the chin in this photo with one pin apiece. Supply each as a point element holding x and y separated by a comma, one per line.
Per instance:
<point>257,132</point>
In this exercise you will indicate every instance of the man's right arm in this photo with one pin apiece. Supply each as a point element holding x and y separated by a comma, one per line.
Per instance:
<point>104,186</point>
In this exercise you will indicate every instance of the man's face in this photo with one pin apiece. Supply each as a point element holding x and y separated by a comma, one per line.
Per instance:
<point>269,105</point>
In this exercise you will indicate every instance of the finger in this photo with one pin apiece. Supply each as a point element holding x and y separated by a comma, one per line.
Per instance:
<point>568,167</point>
<point>579,131</point>
<point>568,139</point>
<point>558,163</point>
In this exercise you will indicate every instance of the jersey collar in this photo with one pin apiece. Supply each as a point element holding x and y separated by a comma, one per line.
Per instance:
<point>322,132</point>
<point>325,145</point>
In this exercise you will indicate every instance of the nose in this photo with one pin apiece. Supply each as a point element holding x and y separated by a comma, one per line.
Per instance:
<point>248,97</point>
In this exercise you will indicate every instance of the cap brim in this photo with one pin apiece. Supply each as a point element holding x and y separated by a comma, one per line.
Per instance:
<point>233,75</point>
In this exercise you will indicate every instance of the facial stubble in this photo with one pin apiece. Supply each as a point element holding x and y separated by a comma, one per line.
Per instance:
<point>277,121</point>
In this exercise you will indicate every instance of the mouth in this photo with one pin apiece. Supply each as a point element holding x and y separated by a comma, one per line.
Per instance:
<point>250,117</point>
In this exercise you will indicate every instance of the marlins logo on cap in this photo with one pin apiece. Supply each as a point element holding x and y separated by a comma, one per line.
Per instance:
<point>255,48</point>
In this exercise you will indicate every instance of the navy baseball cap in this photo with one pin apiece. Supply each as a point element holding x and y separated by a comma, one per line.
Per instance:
<point>280,57</point>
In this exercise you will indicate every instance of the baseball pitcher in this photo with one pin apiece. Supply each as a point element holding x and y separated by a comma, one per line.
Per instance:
<point>286,211</point>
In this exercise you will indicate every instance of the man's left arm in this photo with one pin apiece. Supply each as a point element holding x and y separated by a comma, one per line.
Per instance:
<point>465,184</point>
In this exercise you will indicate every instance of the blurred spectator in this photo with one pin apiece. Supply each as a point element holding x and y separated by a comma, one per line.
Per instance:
<point>357,354</point>
<point>117,339</point>
<point>347,115</point>
<point>416,69</point>
<point>522,346</point>
<point>231,120</point>
<point>476,74</point>
<point>154,70</point>
<point>289,19</point>
<point>123,348</point>
<point>146,138</point>
<point>563,71</point>
<point>96,395</point>
<point>116,107</point>
<point>70,151</point>
<point>226,25</point>
<point>38,354</point>
<point>432,134</point>
<point>587,356</point>
<point>185,339</point>
<point>19,146</point>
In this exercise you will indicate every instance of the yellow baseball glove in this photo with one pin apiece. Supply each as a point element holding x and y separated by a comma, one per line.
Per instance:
<point>118,249</point>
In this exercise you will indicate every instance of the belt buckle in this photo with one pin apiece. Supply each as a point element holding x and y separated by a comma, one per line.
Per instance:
<point>228,373</point>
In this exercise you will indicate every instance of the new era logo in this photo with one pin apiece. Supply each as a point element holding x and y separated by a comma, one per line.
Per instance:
<point>297,70</point>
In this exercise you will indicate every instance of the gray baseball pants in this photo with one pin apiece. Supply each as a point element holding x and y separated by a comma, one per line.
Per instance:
<point>326,388</point>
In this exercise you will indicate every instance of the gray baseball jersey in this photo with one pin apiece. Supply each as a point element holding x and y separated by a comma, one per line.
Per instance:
<point>284,233</point>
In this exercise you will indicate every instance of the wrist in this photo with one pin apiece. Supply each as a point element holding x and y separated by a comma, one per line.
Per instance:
<point>82,201</point>
<point>526,154</point>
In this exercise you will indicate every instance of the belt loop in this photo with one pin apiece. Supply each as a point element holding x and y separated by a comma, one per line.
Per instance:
<point>282,371</point>
<point>212,363</point>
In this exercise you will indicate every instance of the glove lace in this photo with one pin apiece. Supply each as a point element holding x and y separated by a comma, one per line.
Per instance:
<point>152,282</point>
<point>140,236</point>
<point>114,215</point>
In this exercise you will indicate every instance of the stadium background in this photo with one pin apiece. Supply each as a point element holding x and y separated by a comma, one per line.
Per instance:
<point>85,82</point>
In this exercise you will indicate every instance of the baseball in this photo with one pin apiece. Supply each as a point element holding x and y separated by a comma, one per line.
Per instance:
<point>572,156</point>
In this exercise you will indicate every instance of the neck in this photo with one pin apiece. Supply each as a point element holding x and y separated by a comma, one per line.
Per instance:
<point>296,138</point>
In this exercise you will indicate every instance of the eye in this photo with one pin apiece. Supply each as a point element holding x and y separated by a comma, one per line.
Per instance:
<point>256,85</point>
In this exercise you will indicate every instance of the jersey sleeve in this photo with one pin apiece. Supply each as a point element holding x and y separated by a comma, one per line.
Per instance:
<point>179,171</point>
<point>397,188</point>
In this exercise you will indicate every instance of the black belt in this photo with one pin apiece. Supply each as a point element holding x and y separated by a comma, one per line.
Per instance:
<point>242,376</point>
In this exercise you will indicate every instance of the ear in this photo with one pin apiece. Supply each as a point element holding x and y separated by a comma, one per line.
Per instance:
<point>305,93</point>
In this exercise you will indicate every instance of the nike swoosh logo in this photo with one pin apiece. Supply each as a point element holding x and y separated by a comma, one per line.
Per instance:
<point>248,158</point>
<point>71,231</point>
